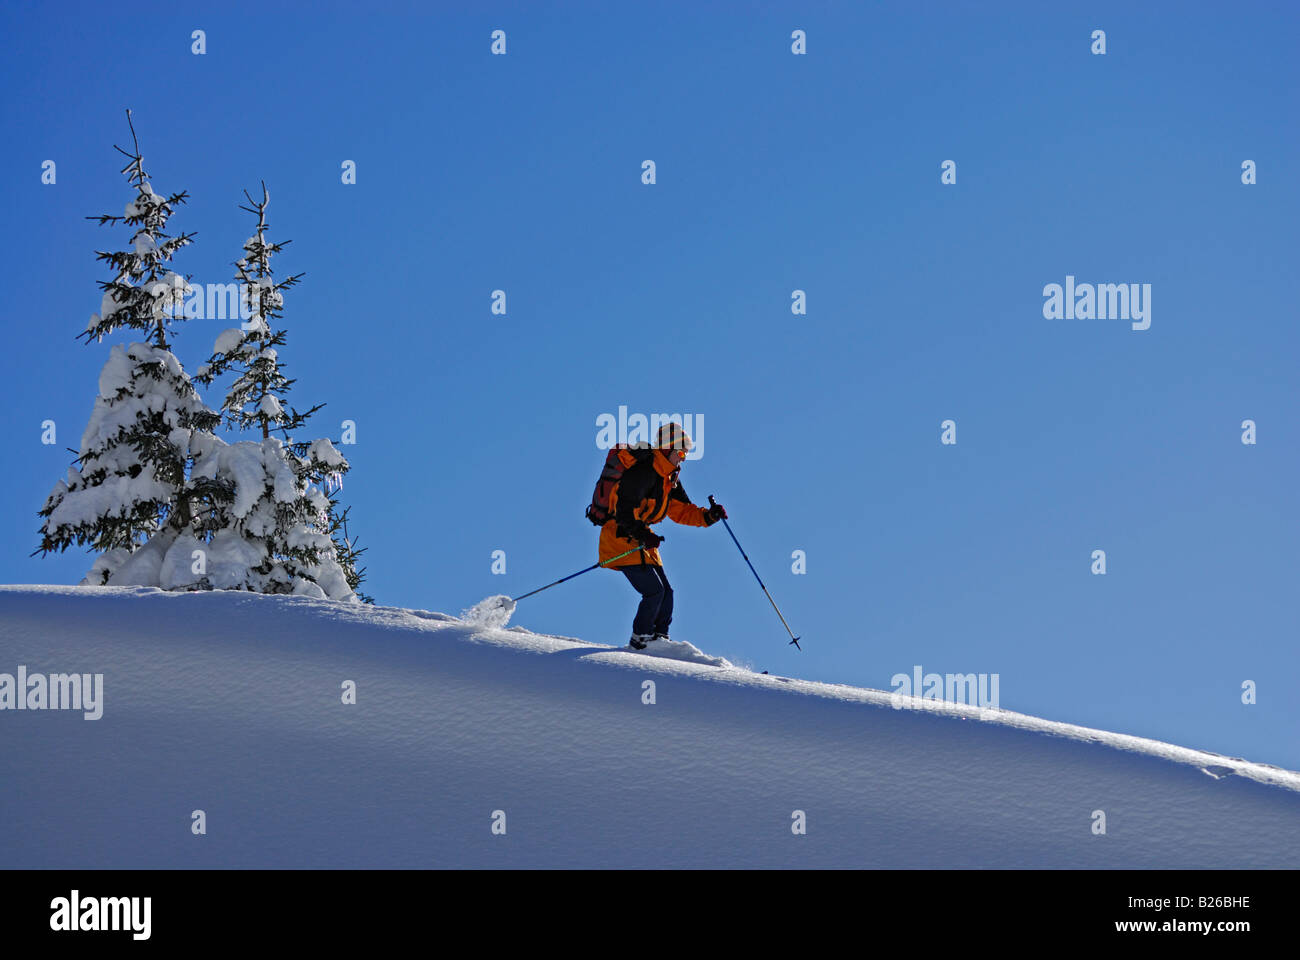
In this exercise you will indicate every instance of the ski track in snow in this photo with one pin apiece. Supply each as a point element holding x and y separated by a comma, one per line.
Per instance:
<point>230,702</point>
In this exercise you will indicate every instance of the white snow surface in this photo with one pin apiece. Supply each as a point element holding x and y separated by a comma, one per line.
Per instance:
<point>230,702</point>
<point>681,650</point>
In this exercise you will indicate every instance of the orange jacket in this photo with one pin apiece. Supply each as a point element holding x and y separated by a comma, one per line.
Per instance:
<point>646,493</point>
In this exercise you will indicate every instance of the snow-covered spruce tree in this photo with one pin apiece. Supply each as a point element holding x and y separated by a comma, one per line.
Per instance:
<point>277,534</point>
<point>130,483</point>
<point>345,547</point>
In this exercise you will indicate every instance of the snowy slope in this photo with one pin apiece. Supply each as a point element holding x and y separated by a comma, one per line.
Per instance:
<point>230,703</point>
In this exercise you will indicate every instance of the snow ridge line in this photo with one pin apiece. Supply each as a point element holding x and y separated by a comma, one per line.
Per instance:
<point>520,640</point>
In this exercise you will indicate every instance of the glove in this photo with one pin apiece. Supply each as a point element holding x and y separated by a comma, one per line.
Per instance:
<point>715,512</point>
<point>642,534</point>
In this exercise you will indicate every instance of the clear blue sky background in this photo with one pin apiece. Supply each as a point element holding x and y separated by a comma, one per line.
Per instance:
<point>775,172</point>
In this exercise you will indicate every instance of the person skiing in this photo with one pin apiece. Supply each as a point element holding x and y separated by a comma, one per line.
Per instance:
<point>648,491</point>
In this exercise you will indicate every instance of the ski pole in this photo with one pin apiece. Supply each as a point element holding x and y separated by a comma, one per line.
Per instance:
<point>793,638</point>
<point>578,574</point>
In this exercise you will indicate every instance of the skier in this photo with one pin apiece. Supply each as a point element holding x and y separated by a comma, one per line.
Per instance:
<point>647,492</point>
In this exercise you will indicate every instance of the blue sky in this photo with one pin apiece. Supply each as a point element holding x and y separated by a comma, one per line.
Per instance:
<point>775,172</point>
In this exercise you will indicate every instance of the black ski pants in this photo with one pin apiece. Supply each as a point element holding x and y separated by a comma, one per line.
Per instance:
<point>656,609</point>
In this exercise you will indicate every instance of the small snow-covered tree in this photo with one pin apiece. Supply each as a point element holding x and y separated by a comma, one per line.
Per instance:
<point>255,398</point>
<point>346,549</point>
<point>131,481</point>
<point>280,516</point>
<point>272,534</point>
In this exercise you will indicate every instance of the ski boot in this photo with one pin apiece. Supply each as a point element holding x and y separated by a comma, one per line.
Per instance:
<point>639,640</point>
